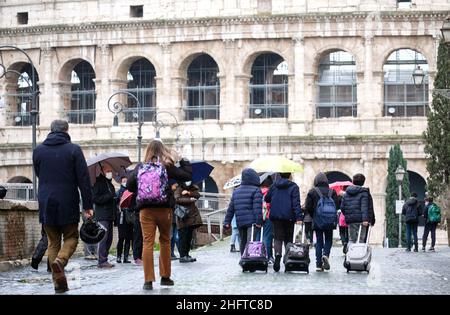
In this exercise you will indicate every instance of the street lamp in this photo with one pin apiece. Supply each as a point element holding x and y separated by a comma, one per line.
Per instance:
<point>418,76</point>
<point>33,112</point>
<point>117,107</point>
<point>399,175</point>
<point>158,124</point>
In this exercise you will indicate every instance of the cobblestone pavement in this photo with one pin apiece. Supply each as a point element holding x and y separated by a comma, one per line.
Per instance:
<point>217,272</point>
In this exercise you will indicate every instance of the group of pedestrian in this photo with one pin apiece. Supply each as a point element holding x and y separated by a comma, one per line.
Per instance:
<point>412,210</point>
<point>277,207</point>
<point>63,175</point>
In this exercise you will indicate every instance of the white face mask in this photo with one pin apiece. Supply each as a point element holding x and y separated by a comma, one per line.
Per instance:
<point>124,184</point>
<point>108,175</point>
<point>188,183</point>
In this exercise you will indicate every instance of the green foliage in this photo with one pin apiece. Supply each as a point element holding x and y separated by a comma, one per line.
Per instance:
<point>392,191</point>
<point>437,135</point>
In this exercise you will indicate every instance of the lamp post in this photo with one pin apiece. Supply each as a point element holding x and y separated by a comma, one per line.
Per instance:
<point>33,112</point>
<point>158,124</point>
<point>399,175</point>
<point>117,107</point>
<point>418,76</point>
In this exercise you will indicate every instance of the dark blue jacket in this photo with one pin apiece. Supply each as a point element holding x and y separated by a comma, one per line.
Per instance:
<point>357,205</point>
<point>61,168</point>
<point>284,199</point>
<point>246,201</point>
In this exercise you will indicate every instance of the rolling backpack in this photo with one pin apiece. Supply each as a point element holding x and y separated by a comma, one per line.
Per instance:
<point>434,214</point>
<point>297,254</point>
<point>325,216</point>
<point>152,183</point>
<point>359,255</point>
<point>254,256</point>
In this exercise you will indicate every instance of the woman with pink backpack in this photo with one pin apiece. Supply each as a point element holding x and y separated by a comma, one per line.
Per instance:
<point>155,200</point>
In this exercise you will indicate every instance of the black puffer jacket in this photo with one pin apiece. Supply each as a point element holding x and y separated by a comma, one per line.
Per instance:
<point>104,197</point>
<point>357,205</point>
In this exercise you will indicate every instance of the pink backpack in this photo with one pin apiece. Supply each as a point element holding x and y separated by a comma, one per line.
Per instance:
<point>342,220</point>
<point>153,184</point>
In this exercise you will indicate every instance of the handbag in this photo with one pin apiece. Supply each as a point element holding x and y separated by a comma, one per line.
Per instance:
<point>181,211</point>
<point>130,216</point>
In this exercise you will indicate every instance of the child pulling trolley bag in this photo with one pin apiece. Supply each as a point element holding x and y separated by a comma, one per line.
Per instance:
<point>297,254</point>
<point>359,255</point>
<point>255,255</point>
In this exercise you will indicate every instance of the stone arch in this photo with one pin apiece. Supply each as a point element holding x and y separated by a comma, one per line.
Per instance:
<point>335,176</point>
<point>417,184</point>
<point>187,59</point>
<point>19,180</point>
<point>65,71</point>
<point>384,55</point>
<point>123,64</point>
<point>18,92</point>
<point>210,186</point>
<point>318,54</point>
<point>251,56</point>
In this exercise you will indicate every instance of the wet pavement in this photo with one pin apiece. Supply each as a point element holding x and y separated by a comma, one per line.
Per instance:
<point>216,271</point>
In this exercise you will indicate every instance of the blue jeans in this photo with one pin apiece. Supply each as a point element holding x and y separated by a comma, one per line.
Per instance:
<point>268,237</point>
<point>174,240</point>
<point>411,228</point>
<point>323,244</point>
<point>235,236</point>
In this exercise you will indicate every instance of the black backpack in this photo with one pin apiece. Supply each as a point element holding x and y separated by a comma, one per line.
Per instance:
<point>411,214</point>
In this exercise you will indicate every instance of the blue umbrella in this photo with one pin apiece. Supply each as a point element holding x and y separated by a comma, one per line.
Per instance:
<point>200,171</point>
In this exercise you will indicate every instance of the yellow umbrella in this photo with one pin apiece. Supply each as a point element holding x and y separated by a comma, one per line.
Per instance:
<point>277,164</point>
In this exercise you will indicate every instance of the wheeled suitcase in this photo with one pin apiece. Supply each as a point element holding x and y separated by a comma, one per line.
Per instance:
<point>359,255</point>
<point>297,254</point>
<point>255,255</point>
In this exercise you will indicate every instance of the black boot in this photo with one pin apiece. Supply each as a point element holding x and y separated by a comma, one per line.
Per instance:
<point>233,248</point>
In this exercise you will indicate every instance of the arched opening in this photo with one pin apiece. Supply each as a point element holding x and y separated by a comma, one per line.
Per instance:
<point>269,87</point>
<point>19,180</point>
<point>142,84</point>
<point>401,97</point>
<point>336,176</point>
<point>82,95</point>
<point>417,184</point>
<point>19,94</point>
<point>209,186</point>
<point>202,92</point>
<point>336,86</point>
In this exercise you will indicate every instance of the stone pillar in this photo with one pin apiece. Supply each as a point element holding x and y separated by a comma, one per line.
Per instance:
<point>169,88</point>
<point>49,107</point>
<point>377,93</point>
<point>297,100</point>
<point>102,88</point>
<point>10,103</point>
<point>3,103</point>
<point>367,86</point>
<point>309,106</point>
<point>228,95</point>
<point>240,109</point>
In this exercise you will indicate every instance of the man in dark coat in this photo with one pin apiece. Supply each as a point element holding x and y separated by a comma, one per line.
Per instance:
<point>246,203</point>
<point>61,168</point>
<point>105,208</point>
<point>357,207</point>
<point>324,236</point>
<point>412,209</point>
<point>285,211</point>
